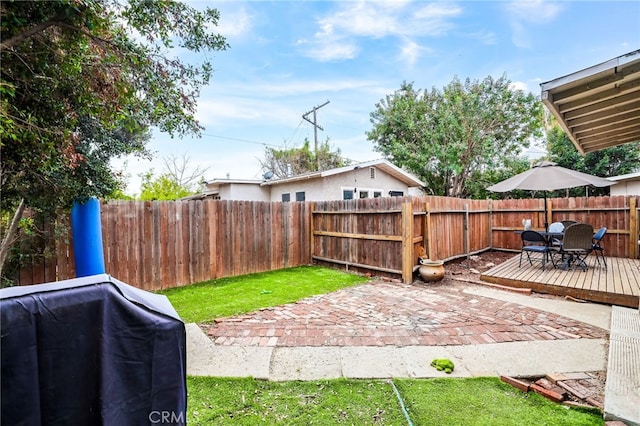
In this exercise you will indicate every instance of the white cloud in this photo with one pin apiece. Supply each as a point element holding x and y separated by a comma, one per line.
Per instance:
<point>339,32</point>
<point>382,19</point>
<point>222,110</point>
<point>523,13</point>
<point>433,19</point>
<point>412,51</point>
<point>329,48</point>
<point>234,23</point>
<point>537,11</point>
<point>519,85</point>
<point>285,86</point>
<point>301,87</point>
<point>484,37</point>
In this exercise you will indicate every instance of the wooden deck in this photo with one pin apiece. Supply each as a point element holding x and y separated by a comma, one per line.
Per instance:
<point>619,284</point>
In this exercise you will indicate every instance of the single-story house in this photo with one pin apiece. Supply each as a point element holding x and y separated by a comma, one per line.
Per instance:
<point>372,179</point>
<point>628,184</point>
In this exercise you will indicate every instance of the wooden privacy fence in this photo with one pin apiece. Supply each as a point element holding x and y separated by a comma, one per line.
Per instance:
<point>160,244</point>
<point>618,214</point>
<point>384,234</point>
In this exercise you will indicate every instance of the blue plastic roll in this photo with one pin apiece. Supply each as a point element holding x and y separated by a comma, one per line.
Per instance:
<point>86,229</point>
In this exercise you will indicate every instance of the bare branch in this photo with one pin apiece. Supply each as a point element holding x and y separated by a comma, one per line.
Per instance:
<point>179,170</point>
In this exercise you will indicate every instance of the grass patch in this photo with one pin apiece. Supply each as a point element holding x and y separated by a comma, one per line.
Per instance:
<point>215,401</point>
<point>469,402</point>
<point>484,401</point>
<point>205,301</point>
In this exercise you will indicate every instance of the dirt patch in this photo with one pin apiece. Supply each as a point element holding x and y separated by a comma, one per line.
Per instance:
<point>476,264</point>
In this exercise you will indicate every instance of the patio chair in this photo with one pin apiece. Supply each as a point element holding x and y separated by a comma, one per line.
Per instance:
<point>566,223</point>
<point>597,246</point>
<point>534,243</point>
<point>577,243</point>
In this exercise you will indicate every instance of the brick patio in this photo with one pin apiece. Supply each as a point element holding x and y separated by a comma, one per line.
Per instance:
<point>394,314</point>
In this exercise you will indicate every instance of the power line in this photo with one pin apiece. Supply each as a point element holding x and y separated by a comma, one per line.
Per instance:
<point>295,131</point>
<point>243,140</point>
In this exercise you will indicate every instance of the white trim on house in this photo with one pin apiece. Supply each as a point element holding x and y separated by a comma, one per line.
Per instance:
<point>382,164</point>
<point>628,176</point>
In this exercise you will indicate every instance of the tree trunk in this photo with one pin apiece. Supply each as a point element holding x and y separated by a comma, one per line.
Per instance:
<point>11,236</point>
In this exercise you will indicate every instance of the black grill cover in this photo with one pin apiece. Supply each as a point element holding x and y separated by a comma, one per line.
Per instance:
<point>91,351</point>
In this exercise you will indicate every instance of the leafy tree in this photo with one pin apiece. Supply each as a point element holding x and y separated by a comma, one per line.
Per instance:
<point>479,181</point>
<point>301,160</point>
<point>81,82</point>
<point>614,161</point>
<point>164,187</point>
<point>445,136</point>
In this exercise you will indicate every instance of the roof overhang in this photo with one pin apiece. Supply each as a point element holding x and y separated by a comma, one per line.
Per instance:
<point>598,107</point>
<point>626,178</point>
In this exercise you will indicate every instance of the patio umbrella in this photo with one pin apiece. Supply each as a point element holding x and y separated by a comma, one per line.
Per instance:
<point>548,176</point>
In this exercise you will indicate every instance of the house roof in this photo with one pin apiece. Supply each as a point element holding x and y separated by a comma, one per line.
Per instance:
<point>598,107</point>
<point>627,177</point>
<point>381,164</point>
<point>220,181</point>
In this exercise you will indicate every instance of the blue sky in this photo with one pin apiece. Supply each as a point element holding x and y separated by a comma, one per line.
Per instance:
<point>286,57</point>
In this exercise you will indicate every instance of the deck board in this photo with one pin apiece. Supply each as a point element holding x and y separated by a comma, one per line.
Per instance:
<point>619,284</point>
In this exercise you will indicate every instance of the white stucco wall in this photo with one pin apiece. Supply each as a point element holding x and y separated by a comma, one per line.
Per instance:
<point>331,187</point>
<point>244,191</point>
<point>631,187</point>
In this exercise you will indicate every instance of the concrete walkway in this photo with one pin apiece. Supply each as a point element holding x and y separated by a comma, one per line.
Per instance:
<point>622,391</point>
<point>383,330</point>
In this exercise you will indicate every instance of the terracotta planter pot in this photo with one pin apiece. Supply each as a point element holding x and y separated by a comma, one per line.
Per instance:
<point>431,270</point>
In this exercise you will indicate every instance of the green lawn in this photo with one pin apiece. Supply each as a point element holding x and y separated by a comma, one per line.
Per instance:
<point>203,302</point>
<point>484,401</point>
<point>215,401</point>
<point>433,402</point>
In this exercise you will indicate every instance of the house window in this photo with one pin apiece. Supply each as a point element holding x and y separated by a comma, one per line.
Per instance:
<point>300,196</point>
<point>286,197</point>
<point>347,194</point>
<point>396,193</point>
<point>372,172</point>
<point>377,194</point>
<point>364,194</point>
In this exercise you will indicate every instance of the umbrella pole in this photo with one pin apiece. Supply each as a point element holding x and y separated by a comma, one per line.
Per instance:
<point>546,224</point>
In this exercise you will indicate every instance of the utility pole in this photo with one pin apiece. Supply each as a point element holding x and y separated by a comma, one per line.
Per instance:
<point>315,129</point>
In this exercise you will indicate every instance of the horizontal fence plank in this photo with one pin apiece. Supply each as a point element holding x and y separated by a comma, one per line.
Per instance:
<point>359,236</point>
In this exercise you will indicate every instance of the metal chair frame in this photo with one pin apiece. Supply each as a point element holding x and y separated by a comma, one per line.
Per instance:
<point>535,242</point>
<point>597,247</point>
